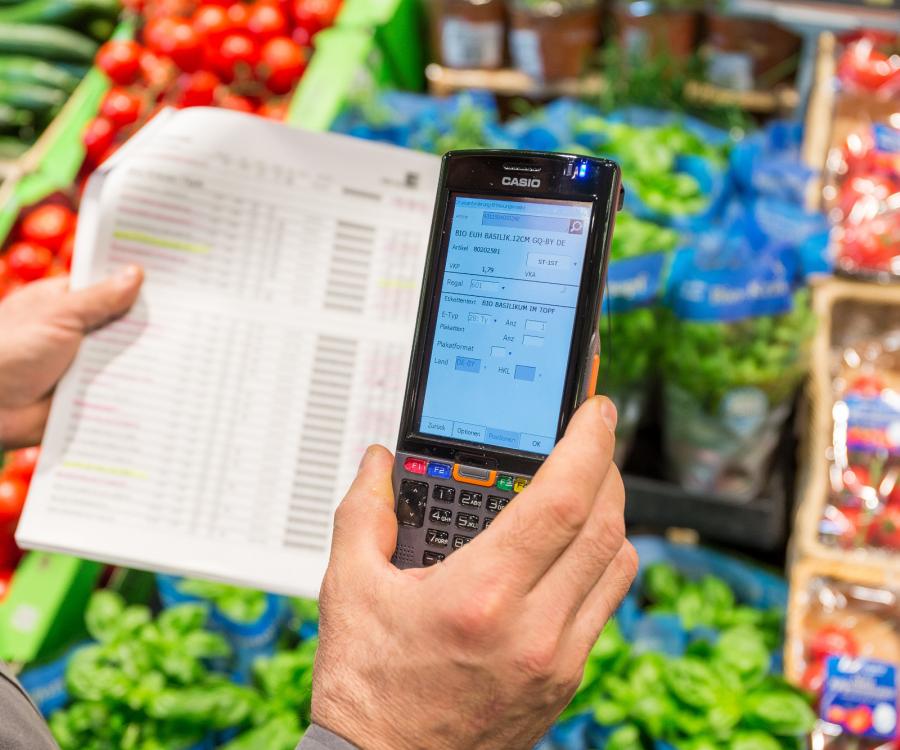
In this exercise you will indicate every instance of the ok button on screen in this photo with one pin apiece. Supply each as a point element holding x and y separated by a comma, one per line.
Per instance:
<point>503,331</point>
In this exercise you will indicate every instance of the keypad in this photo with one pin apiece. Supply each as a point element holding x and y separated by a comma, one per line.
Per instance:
<point>443,494</point>
<point>470,499</point>
<point>461,541</point>
<point>430,558</point>
<point>487,522</point>
<point>411,503</point>
<point>496,504</point>
<point>505,483</point>
<point>520,484</point>
<point>467,521</point>
<point>441,515</point>
<point>439,471</point>
<point>437,538</point>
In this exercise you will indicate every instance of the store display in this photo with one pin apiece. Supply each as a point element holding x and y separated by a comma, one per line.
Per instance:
<point>844,647</point>
<point>658,28</point>
<point>469,33</point>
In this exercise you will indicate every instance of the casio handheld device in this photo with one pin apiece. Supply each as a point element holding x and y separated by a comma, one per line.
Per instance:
<point>506,344</point>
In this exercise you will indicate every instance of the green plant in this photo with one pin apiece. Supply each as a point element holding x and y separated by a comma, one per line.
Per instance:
<point>709,359</point>
<point>238,604</point>
<point>715,697</point>
<point>285,681</point>
<point>145,684</point>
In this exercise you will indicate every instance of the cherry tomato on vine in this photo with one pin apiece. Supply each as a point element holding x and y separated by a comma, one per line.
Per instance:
<point>315,15</point>
<point>120,59</point>
<point>266,21</point>
<point>28,261</point>
<point>13,492</point>
<point>197,89</point>
<point>48,225</point>
<point>236,55</point>
<point>21,464</point>
<point>212,23</point>
<point>281,64</point>
<point>236,102</point>
<point>121,107</point>
<point>274,110</point>
<point>183,46</point>
<point>97,138</point>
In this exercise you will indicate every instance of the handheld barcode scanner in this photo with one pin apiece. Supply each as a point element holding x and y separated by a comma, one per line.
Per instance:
<point>506,344</point>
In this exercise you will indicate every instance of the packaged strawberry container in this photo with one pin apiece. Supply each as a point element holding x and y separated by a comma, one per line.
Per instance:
<point>843,645</point>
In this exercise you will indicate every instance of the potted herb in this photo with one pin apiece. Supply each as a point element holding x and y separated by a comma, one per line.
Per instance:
<point>553,39</point>
<point>468,33</point>
<point>658,28</point>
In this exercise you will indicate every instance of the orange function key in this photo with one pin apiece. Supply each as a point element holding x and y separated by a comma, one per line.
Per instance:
<point>474,475</point>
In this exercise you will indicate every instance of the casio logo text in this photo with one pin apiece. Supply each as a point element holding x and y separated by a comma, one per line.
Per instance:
<point>529,182</point>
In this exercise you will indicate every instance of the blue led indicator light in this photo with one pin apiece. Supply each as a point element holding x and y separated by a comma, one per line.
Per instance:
<point>582,170</point>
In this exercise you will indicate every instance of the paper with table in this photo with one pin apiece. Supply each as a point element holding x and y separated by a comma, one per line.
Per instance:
<point>212,430</point>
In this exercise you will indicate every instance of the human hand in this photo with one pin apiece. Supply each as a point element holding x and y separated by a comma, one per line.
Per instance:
<point>487,648</point>
<point>43,324</point>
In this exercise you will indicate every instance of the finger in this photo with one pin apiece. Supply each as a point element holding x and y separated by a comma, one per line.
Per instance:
<point>107,300</point>
<point>24,427</point>
<point>365,526</point>
<point>606,596</point>
<point>563,590</point>
<point>537,527</point>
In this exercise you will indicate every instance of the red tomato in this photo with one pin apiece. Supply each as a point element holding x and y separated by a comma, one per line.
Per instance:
<point>120,59</point>
<point>832,640</point>
<point>886,532</point>
<point>212,23</point>
<point>301,36</point>
<point>157,71</point>
<point>237,103</point>
<point>236,56</point>
<point>48,225</point>
<point>238,14</point>
<point>274,110</point>
<point>862,65</point>
<point>28,261</point>
<point>197,89</point>
<point>12,499</point>
<point>64,256</point>
<point>183,46</point>
<point>97,138</point>
<point>859,720</point>
<point>21,464</point>
<point>281,63</point>
<point>266,21</point>
<point>157,31</point>
<point>315,15</point>
<point>5,582</point>
<point>121,107</point>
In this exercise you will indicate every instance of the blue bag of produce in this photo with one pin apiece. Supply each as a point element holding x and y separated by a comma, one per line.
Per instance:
<point>737,346</point>
<point>251,621</point>
<point>769,162</point>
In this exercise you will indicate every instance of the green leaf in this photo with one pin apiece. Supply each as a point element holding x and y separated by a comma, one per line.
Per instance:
<point>608,712</point>
<point>744,650</point>
<point>103,613</point>
<point>693,682</point>
<point>626,737</point>
<point>183,619</point>
<point>753,741</point>
<point>662,583</point>
<point>782,713</point>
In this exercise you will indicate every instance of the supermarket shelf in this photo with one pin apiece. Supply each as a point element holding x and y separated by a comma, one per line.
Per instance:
<point>507,82</point>
<point>825,15</point>
<point>757,524</point>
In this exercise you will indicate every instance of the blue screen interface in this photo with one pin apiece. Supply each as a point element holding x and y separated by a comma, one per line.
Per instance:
<point>504,323</point>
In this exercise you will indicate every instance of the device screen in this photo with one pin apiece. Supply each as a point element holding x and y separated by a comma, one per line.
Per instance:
<point>503,331</point>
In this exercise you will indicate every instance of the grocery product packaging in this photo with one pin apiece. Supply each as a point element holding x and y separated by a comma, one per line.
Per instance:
<point>843,645</point>
<point>737,342</point>
<point>851,498</point>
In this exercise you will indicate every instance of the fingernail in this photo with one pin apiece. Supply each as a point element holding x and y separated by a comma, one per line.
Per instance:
<point>609,413</point>
<point>128,275</point>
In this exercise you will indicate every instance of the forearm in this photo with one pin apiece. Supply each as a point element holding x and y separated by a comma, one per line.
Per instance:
<point>317,738</point>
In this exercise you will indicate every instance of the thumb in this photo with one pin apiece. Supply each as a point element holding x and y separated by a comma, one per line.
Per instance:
<point>106,300</point>
<point>365,527</point>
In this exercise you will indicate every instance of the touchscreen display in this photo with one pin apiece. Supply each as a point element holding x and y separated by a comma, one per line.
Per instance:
<point>503,330</point>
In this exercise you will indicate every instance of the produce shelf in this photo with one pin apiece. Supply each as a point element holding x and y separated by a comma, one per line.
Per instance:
<point>443,81</point>
<point>824,15</point>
